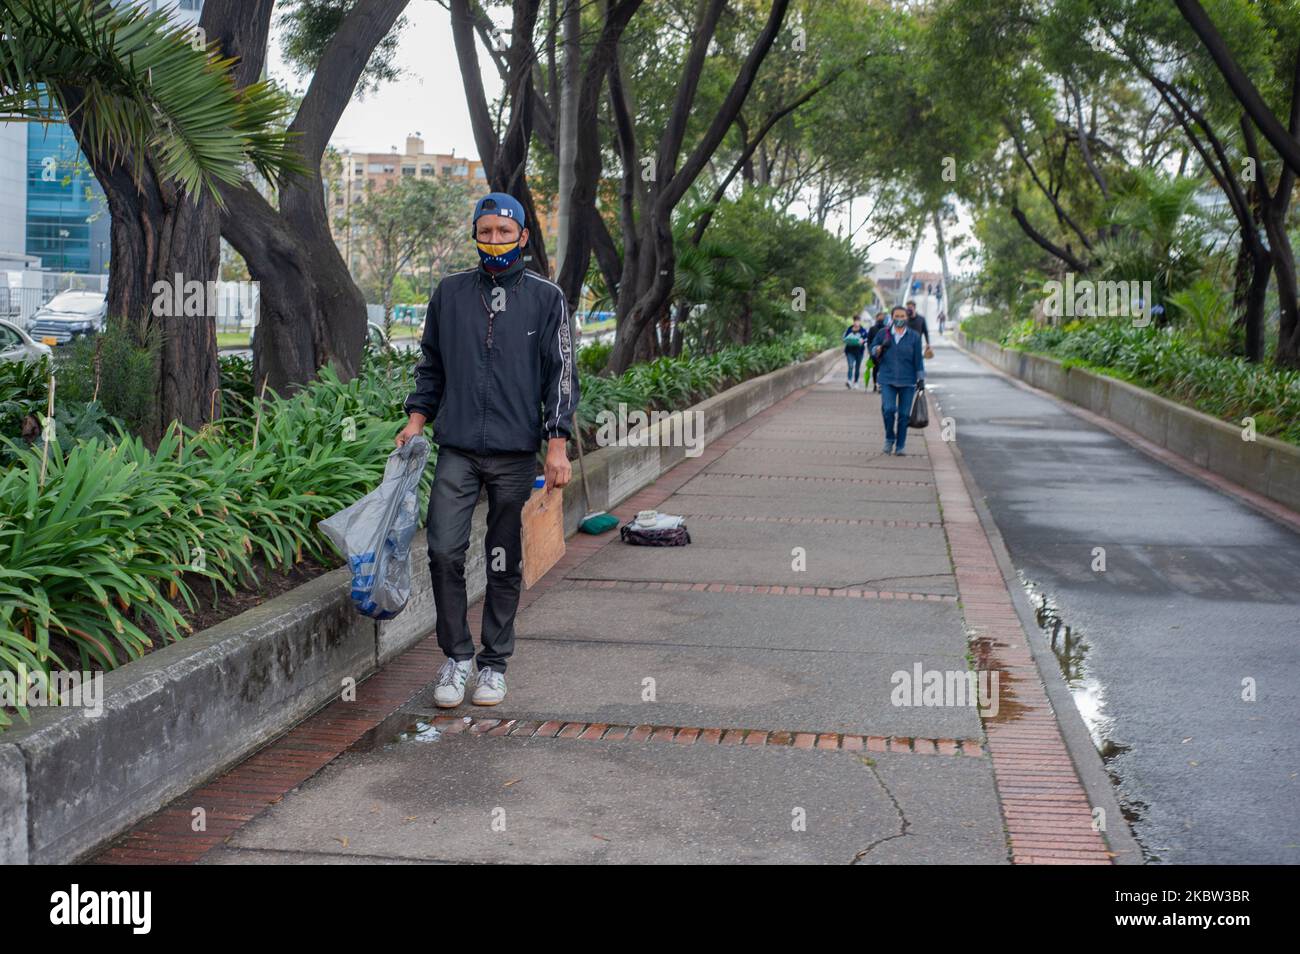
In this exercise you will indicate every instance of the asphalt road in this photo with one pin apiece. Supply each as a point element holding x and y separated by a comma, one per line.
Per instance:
<point>1198,601</point>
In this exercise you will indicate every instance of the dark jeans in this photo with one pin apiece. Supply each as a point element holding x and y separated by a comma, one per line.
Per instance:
<point>896,400</point>
<point>854,356</point>
<point>457,477</point>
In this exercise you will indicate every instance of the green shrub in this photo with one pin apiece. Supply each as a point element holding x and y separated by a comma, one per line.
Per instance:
<point>989,325</point>
<point>1166,361</point>
<point>593,357</point>
<point>112,368</point>
<point>24,399</point>
<point>673,383</point>
<point>92,558</point>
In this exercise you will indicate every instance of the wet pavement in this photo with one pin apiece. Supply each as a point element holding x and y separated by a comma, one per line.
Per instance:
<point>1198,606</point>
<point>803,500</point>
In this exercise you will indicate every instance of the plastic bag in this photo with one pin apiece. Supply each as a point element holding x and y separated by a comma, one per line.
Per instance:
<point>920,410</point>
<point>375,534</point>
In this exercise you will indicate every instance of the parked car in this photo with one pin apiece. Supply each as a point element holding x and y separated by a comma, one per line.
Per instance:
<point>68,315</point>
<point>17,345</point>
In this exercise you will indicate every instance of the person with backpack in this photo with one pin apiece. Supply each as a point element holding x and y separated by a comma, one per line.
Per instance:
<point>899,353</point>
<point>855,347</point>
<point>877,325</point>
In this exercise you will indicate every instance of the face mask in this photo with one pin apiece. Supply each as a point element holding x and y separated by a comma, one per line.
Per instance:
<point>496,258</point>
<point>900,321</point>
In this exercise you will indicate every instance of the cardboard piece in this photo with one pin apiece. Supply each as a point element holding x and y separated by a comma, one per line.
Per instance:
<point>543,534</point>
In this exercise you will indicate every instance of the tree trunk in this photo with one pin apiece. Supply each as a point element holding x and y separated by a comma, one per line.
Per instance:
<point>160,243</point>
<point>649,259</point>
<point>679,330</point>
<point>905,289</point>
<point>1288,332</point>
<point>950,302</point>
<point>504,157</point>
<point>568,141</point>
<point>312,313</point>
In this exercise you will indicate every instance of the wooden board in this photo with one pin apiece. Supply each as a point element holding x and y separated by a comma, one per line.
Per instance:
<point>543,534</point>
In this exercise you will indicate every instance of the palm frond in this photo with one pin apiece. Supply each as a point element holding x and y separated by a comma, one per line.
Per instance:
<point>134,84</point>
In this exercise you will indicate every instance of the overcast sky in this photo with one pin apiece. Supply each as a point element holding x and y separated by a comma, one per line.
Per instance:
<point>429,99</point>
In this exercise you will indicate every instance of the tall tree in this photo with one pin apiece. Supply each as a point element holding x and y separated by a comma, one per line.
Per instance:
<point>651,191</point>
<point>503,152</point>
<point>312,313</point>
<point>164,123</point>
<point>395,226</point>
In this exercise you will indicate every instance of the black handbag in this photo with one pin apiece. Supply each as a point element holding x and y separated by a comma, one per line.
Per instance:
<point>649,537</point>
<point>920,416</point>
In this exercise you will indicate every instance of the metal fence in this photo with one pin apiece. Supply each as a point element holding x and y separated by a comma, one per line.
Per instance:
<point>22,294</point>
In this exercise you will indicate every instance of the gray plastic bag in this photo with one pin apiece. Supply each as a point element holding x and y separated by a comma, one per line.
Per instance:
<point>375,534</point>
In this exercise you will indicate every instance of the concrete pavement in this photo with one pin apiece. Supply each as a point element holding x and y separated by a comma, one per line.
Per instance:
<point>730,701</point>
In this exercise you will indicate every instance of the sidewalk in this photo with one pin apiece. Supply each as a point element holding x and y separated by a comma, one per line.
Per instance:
<point>702,704</point>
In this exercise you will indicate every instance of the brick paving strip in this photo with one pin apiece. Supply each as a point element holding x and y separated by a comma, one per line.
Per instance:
<point>1046,811</point>
<point>689,735</point>
<point>824,480</point>
<point>841,521</point>
<point>769,589</point>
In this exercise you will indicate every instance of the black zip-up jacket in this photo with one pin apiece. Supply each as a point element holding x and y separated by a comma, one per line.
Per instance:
<point>496,372</point>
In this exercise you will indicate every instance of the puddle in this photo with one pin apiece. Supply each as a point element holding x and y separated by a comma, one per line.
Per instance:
<point>984,658</point>
<point>398,728</point>
<point>1071,651</point>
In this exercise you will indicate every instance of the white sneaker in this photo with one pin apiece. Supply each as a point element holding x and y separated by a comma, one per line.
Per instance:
<point>450,691</point>
<point>491,688</point>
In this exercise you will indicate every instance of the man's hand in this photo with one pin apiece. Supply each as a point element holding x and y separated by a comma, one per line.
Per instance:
<point>414,425</point>
<point>558,469</point>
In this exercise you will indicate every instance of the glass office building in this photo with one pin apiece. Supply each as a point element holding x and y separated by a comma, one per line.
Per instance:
<point>67,216</point>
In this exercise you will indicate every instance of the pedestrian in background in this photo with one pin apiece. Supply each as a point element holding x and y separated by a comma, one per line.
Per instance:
<point>875,329</point>
<point>897,349</point>
<point>855,347</point>
<point>916,321</point>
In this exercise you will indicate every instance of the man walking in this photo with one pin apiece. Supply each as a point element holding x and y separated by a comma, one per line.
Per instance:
<point>897,350</point>
<point>497,377</point>
<point>916,321</point>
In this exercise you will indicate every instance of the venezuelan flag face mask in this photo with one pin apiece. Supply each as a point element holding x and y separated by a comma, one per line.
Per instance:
<point>497,258</point>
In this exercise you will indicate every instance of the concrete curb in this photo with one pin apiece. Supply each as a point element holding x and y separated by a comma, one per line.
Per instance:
<point>70,782</point>
<point>1264,466</point>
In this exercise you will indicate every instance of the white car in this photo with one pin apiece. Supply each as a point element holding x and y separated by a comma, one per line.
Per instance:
<point>68,315</point>
<point>17,345</point>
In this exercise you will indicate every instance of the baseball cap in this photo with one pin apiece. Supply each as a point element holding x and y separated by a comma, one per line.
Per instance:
<point>502,204</point>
